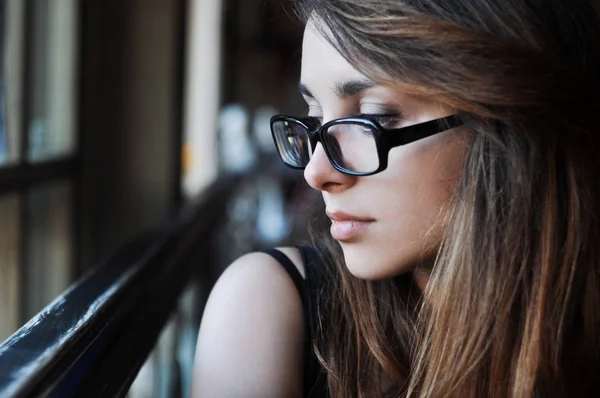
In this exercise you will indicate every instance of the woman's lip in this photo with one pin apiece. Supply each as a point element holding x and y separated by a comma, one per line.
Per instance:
<point>345,230</point>
<point>342,217</point>
<point>345,227</point>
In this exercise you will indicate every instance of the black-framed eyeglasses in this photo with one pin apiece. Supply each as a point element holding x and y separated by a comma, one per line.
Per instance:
<point>354,146</point>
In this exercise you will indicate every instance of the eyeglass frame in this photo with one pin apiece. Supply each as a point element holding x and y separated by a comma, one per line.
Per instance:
<point>385,139</point>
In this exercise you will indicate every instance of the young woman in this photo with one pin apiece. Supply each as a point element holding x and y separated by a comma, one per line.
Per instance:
<point>457,149</point>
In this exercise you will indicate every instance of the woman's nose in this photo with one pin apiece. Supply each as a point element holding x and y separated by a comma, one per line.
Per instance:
<point>322,176</point>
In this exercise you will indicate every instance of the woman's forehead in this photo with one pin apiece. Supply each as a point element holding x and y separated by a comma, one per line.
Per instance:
<point>323,67</point>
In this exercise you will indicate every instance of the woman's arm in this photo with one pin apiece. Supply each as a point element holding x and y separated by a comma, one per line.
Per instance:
<point>251,338</point>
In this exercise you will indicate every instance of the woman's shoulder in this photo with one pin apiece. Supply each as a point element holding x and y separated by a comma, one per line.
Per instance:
<point>254,311</point>
<point>255,271</point>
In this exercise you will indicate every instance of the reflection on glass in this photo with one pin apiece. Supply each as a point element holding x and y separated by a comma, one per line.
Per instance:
<point>9,265</point>
<point>143,385</point>
<point>203,89</point>
<point>168,370</point>
<point>190,310</point>
<point>49,236</point>
<point>51,124</point>
<point>11,77</point>
<point>4,154</point>
<point>159,376</point>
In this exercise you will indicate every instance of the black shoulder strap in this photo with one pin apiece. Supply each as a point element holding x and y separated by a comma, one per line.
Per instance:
<point>316,378</point>
<point>290,268</point>
<point>310,261</point>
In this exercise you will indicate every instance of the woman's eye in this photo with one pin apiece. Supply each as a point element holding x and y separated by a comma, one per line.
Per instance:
<point>385,121</point>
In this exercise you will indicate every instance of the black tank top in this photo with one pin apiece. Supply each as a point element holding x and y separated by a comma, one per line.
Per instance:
<point>315,380</point>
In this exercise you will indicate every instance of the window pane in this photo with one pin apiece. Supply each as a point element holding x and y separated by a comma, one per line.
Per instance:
<point>53,78</point>
<point>202,96</point>
<point>49,244</point>
<point>9,265</point>
<point>11,76</point>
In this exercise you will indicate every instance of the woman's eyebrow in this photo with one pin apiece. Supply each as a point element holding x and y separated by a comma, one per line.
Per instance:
<point>304,90</point>
<point>350,88</point>
<point>344,89</point>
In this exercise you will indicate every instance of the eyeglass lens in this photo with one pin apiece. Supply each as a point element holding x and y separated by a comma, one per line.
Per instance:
<point>351,146</point>
<point>292,143</point>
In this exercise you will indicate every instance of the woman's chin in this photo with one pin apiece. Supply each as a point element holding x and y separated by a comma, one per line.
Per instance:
<point>376,263</point>
<point>371,265</point>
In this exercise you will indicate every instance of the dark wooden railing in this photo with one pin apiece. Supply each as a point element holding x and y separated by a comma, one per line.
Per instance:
<point>93,339</point>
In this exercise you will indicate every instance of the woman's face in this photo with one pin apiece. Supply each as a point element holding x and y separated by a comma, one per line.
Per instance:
<point>389,222</point>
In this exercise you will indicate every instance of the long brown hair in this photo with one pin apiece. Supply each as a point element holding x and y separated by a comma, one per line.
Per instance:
<point>512,307</point>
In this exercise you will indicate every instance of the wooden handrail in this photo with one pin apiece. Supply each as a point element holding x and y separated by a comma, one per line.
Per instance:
<point>93,339</point>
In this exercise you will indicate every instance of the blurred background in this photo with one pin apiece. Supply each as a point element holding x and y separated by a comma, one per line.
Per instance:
<point>117,114</point>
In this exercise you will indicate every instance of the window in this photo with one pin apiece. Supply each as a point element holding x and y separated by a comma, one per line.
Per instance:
<point>51,105</point>
<point>38,154</point>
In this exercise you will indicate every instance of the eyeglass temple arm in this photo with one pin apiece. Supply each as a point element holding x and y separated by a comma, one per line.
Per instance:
<point>406,135</point>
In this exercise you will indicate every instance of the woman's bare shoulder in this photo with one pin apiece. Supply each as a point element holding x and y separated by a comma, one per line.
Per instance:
<point>251,338</point>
